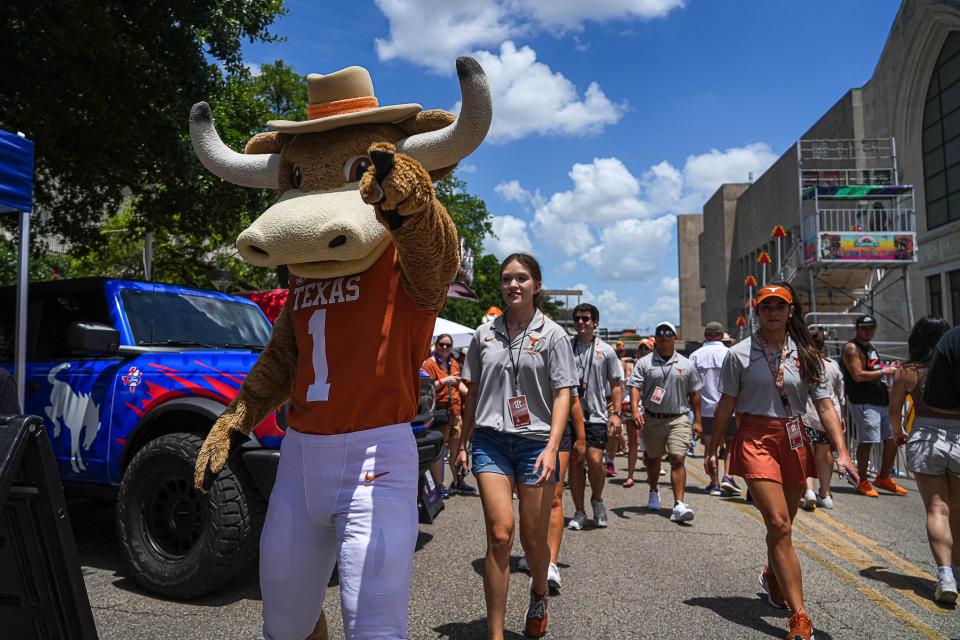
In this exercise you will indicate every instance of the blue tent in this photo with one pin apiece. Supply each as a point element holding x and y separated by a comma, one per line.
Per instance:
<point>16,196</point>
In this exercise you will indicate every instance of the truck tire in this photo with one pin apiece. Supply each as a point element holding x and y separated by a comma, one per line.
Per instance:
<point>177,542</point>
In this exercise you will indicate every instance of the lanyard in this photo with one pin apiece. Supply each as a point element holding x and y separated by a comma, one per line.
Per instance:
<point>777,372</point>
<point>515,367</point>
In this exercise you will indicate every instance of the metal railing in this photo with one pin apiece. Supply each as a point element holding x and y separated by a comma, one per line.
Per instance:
<point>867,220</point>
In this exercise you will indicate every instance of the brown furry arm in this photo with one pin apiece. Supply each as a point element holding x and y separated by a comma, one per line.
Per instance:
<point>267,385</point>
<point>265,388</point>
<point>429,254</point>
<point>426,241</point>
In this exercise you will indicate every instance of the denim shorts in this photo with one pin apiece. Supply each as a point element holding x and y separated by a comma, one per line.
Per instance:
<point>509,455</point>
<point>872,422</point>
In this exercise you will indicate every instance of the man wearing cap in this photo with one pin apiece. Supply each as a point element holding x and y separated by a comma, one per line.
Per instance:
<point>868,403</point>
<point>708,360</point>
<point>668,386</point>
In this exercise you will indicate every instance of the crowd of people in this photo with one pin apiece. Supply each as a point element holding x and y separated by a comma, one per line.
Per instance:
<point>533,410</point>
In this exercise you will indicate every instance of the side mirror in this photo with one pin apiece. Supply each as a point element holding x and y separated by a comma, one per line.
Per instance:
<point>92,337</point>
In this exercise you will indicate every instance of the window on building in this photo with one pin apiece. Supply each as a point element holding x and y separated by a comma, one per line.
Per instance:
<point>941,137</point>
<point>954,277</point>
<point>935,295</point>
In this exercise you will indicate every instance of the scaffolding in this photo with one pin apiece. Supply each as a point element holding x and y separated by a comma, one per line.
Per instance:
<point>858,224</point>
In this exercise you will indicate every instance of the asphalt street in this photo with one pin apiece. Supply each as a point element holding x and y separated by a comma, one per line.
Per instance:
<point>866,565</point>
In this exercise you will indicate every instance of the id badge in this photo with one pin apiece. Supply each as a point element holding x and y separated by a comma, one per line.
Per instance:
<point>519,411</point>
<point>658,394</point>
<point>795,432</point>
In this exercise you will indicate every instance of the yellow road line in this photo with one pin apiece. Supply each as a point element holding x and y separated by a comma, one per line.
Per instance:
<point>896,561</point>
<point>854,556</point>
<point>858,556</point>
<point>856,582</point>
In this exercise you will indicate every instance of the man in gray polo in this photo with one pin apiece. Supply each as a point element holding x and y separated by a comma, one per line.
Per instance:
<point>668,387</point>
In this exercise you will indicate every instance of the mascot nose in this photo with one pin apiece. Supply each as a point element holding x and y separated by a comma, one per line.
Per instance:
<point>336,242</point>
<point>253,242</point>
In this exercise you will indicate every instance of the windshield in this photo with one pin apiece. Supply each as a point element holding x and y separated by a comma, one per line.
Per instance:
<point>178,319</point>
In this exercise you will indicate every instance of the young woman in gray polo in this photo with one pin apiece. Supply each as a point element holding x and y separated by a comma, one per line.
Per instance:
<point>766,379</point>
<point>519,373</point>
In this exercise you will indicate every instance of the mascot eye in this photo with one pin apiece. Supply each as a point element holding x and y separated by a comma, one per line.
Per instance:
<point>295,177</point>
<point>355,167</point>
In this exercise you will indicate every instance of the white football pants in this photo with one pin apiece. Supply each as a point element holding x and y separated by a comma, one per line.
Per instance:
<point>348,498</point>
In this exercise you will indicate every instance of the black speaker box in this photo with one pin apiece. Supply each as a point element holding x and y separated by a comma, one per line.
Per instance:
<point>42,593</point>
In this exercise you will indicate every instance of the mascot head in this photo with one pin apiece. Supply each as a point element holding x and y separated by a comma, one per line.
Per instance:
<point>320,227</point>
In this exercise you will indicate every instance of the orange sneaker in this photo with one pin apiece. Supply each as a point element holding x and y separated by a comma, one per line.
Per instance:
<point>889,484</point>
<point>536,626</point>
<point>800,627</point>
<point>866,489</point>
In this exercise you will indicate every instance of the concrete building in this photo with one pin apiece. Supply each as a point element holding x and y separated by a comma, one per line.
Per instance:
<point>689,228</point>
<point>912,97</point>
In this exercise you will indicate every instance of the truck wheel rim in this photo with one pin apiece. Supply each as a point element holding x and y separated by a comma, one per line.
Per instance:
<point>173,517</point>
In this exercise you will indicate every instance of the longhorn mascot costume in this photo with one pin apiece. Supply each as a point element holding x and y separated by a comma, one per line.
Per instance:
<point>370,251</point>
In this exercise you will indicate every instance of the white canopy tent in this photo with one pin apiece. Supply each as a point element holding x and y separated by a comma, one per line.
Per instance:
<point>461,335</point>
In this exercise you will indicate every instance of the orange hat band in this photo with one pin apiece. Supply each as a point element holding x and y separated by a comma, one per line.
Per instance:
<point>340,107</point>
<point>773,291</point>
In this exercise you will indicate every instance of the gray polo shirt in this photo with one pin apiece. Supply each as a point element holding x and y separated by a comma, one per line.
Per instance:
<point>676,375</point>
<point>746,376</point>
<point>546,364</point>
<point>598,364</point>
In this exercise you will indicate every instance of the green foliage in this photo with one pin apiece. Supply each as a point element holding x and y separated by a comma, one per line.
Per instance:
<point>468,212</point>
<point>104,88</point>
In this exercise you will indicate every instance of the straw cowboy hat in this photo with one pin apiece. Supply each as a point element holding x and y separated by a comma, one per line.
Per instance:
<point>340,99</point>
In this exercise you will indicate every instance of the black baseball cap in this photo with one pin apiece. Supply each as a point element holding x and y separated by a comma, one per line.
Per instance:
<point>866,321</point>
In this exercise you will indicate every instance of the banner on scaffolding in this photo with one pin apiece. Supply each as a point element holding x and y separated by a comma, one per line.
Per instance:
<point>858,246</point>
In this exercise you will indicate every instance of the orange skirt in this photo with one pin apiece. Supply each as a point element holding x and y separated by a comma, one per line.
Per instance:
<point>761,451</point>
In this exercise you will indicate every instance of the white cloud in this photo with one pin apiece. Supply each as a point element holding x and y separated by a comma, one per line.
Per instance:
<point>531,98</point>
<point>513,191</point>
<point>664,308</point>
<point>510,235</point>
<point>618,311</point>
<point>570,14</point>
<point>603,191</point>
<point>433,32</point>
<point>631,249</point>
<point>670,286</point>
<point>707,171</point>
<point>466,167</point>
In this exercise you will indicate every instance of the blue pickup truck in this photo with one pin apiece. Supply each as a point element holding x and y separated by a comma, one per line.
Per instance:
<point>128,377</point>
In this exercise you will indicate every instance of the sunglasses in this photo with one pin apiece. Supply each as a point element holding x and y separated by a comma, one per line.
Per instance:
<point>582,319</point>
<point>665,334</point>
<point>444,345</point>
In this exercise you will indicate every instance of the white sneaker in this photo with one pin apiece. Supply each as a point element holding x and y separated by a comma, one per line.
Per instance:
<point>599,514</point>
<point>946,589</point>
<point>663,471</point>
<point>681,513</point>
<point>825,503</point>
<point>653,503</point>
<point>809,500</point>
<point>553,579</point>
<point>522,564</point>
<point>578,521</point>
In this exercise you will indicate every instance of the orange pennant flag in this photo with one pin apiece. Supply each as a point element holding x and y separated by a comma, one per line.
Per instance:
<point>741,321</point>
<point>779,232</point>
<point>751,281</point>
<point>764,258</point>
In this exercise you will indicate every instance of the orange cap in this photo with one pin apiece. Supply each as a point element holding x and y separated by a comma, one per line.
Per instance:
<point>774,291</point>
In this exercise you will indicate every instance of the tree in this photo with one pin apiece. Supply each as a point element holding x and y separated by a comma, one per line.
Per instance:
<point>104,87</point>
<point>188,243</point>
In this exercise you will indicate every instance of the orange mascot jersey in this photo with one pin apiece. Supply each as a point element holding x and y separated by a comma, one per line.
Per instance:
<point>361,341</point>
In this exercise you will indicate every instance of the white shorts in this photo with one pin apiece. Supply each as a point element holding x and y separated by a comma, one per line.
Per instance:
<point>348,498</point>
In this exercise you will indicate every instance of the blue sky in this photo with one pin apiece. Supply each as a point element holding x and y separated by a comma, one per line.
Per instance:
<point>610,116</point>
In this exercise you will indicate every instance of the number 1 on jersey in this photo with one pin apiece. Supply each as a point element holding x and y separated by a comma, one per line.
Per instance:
<point>319,391</point>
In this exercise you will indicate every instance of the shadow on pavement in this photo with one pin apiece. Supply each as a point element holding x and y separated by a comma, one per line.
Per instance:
<point>920,586</point>
<point>747,612</point>
<point>476,630</point>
